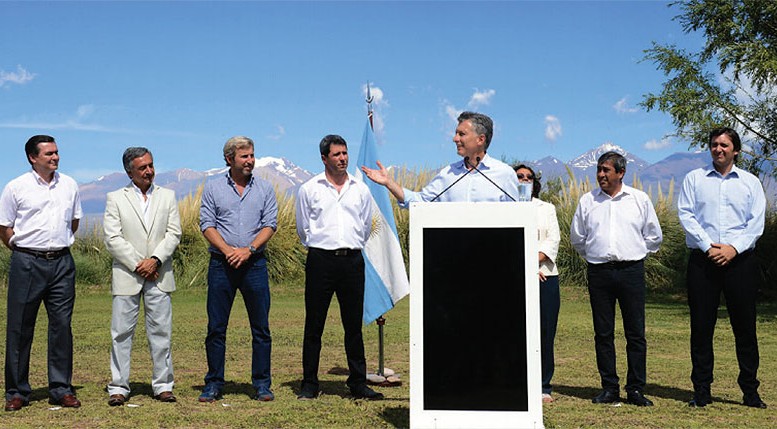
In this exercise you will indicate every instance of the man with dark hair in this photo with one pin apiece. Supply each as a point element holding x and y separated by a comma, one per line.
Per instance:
<point>334,220</point>
<point>613,229</point>
<point>142,229</point>
<point>722,210</point>
<point>238,216</point>
<point>472,139</point>
<point>39,215</point>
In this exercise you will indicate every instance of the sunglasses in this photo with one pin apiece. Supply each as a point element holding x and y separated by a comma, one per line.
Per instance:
<point>527,176</point>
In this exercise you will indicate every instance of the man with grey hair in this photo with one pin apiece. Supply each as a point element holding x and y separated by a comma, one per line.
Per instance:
<point>142,230</point>
<point>477,177</point>
<point>238,217</point>
<point>614,228</point>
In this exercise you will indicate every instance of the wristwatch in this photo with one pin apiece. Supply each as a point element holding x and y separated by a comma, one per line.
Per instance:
<point>252,249</point>
<point>158,261</point>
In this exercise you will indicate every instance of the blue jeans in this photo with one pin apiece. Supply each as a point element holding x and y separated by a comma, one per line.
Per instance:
<point>624,282</point>
<point>223,283</point>
<point>550,303</point>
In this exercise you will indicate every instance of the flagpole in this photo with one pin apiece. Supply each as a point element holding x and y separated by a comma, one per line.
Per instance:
<point>382,379</point>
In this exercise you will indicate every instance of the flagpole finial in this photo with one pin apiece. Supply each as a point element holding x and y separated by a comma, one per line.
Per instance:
<point>369,105</point>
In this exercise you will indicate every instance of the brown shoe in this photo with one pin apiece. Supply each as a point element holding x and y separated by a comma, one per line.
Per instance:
<point>165,397</point>
<point>15,404</point>
<point>117,400</point>
<point>67,401</point>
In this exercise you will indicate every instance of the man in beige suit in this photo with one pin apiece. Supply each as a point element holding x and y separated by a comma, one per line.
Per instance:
<point>142,230</point>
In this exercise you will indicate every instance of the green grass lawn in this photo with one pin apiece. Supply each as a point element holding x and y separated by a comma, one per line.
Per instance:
<point>576,379</point>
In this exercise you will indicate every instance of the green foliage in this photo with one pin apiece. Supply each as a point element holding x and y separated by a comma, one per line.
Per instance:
<point>741,38</point>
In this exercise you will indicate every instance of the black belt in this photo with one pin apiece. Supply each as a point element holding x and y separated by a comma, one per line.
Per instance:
<point>615,264</point>
<point>44,254</point>
<point>339,252</point>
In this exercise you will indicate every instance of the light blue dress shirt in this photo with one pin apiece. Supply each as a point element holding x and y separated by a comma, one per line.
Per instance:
<point>473,188</point>
<point>238,218</point>
<point>726,210</point>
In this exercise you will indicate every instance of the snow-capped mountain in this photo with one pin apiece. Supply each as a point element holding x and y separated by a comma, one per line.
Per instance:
<point>280,172</point>
<point>586,163</point>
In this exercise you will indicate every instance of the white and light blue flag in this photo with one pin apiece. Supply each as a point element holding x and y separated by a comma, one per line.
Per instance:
<point>385,277</point>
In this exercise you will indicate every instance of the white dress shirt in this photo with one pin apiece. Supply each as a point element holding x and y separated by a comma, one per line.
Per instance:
<point>472,188</point>
<point>726,210</point>
<point>40,213</point>
<point>145,202</point>
<point>330,220</point>
<point>620,228</point>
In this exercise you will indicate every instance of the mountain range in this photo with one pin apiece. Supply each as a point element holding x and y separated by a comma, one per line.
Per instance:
<point>287,176</point>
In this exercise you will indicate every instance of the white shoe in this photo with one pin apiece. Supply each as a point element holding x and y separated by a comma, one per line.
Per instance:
<point>546,398</point>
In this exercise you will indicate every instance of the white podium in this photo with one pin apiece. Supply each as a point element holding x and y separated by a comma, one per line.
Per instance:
<point>474,316</point>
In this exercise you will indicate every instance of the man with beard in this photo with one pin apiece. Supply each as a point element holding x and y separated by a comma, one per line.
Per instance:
<point>238,217</point>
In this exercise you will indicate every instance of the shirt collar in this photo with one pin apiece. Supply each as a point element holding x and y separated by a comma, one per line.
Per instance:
<point>139,192</point>
<point>735,171</point>
<point>232,182</point>
<point>40,180</point>
<point>485,163</point>
<point>625,190</point>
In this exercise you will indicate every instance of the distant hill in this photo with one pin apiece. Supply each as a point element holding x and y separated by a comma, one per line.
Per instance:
<point>287,176</point>
<point>282,173</point>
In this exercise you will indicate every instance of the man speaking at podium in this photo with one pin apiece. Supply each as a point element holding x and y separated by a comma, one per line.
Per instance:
<point>477,177</point>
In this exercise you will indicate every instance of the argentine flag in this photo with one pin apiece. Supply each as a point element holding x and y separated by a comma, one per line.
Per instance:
<point>385,278</point>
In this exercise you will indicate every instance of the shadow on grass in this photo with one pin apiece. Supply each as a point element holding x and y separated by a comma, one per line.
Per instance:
<point>337,388</point>
<point>230,388</point>
<point>656,390</point>
<point>399,417</point>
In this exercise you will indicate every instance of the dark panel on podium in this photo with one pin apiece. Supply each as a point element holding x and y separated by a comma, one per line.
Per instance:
<point>474,305</point>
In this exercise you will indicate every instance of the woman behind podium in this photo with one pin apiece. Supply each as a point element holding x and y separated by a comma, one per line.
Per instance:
<point>550,297</point>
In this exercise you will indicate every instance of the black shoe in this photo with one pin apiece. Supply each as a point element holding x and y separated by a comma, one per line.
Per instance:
<point>307,394</point>
<point>606,397</point>
<point>698,403</point>
<point>754,400</point>
<point>637,398</point>
<point>701,397</point>
<point>364,392</point>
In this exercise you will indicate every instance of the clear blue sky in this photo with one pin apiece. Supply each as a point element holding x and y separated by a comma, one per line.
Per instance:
<point>558,78</point>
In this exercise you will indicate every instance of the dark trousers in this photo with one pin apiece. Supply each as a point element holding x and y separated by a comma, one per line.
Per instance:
<point>33,280</point>
<point>325,275</point>
<point>705,282</point>
<point>624,282</point>
<point>223,283</point>
<point>550,303</point>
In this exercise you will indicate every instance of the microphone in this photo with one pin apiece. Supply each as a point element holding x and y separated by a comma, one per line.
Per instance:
<point>466,163</point>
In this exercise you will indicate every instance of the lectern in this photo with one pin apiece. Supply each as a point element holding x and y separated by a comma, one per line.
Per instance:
<point>474,316</point>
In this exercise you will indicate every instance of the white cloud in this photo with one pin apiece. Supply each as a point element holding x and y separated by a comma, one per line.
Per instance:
<point>280,131</point>
<point>552,128</point>
<point>622,106</point>
<point>480,98</point>
<point>657,144</point>
<point>19,77</point>
<point>76,121</point>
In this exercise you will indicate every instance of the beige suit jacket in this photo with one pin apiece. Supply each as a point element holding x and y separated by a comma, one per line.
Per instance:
<point>129,239</point>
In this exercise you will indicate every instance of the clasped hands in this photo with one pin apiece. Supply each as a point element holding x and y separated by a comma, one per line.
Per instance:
<point>721,254</point>
<point>147,269</point>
